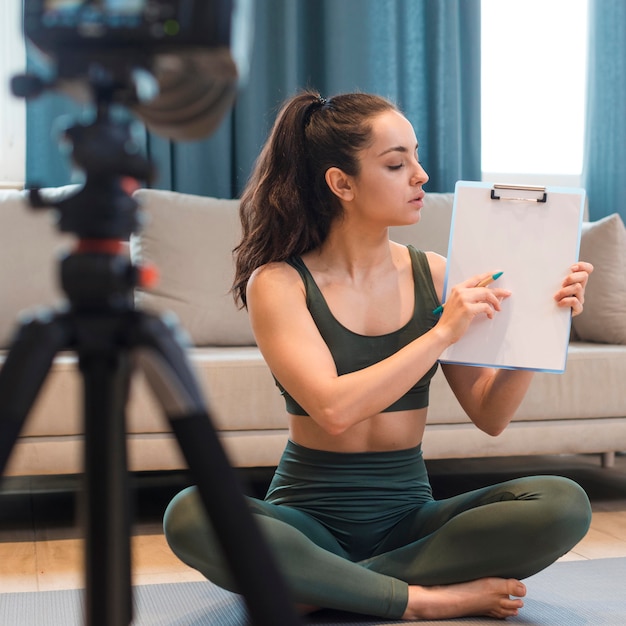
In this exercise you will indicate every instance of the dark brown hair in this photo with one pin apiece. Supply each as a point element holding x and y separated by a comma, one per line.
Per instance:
<point>287,207</point>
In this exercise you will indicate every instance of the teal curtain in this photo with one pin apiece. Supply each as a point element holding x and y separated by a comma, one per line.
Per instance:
<point>423,54</point>
<point>48,161</point>
<point>605,135</point>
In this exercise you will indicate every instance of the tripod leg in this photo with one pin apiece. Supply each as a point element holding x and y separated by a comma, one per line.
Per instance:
<point>163,360</point>
<point>27,364</point>
<point>106,493</point>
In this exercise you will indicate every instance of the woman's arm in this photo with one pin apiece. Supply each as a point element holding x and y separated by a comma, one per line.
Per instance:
<point>490,397</point>
<point>299,358</point>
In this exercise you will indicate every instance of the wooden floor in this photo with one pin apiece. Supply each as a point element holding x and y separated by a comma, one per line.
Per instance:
<point>41,546</point>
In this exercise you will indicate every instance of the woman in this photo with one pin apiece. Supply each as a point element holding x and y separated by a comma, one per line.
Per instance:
<point>344,318</point>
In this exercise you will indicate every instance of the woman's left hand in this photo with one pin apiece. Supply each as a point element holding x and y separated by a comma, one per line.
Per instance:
<point>572,293</point>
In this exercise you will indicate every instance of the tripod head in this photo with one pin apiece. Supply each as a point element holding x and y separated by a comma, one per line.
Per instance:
<point>107,152</point>
<point>96,275</point>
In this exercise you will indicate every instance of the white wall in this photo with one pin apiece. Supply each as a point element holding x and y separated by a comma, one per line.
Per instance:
<point>12,110</point>
<point>533,90</point>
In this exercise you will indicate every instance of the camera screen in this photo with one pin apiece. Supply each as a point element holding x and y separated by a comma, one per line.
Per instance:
<point>98,18</point>
<point>61,27</point>
<point>109,7</point>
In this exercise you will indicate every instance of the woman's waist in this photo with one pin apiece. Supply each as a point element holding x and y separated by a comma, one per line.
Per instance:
<point>301,463</point>
<point>385,432</point>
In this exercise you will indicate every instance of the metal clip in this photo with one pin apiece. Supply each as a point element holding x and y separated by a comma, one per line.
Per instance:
<point>541,190</point>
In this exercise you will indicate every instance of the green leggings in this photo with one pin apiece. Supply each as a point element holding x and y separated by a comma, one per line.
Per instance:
<point>352,531</point>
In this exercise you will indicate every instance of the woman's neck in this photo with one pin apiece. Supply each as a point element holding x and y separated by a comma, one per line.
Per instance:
<point>352,251</point>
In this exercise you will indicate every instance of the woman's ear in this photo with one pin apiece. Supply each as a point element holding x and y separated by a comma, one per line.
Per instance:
<point>339,183</point>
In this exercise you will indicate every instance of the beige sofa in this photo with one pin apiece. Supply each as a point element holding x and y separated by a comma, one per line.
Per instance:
<point>189,238</point>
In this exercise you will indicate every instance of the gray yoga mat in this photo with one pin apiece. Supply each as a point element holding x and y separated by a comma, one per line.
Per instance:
<point>570,593</point>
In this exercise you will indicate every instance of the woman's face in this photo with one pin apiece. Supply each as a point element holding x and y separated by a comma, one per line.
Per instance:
<point>388,186</point>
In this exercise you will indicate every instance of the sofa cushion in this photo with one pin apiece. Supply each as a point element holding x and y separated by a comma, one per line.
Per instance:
<point>603,243</point>
<point>190,240</point>
<point>30,254</point>
<point>240,392</point>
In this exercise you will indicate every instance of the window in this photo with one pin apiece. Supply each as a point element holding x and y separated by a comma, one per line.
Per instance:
<point>12,110</point>
<point>534,60</point>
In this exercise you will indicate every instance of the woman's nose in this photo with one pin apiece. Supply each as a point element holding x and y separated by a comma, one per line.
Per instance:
<point>420,177</point>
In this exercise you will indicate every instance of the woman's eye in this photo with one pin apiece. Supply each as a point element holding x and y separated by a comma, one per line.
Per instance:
<point>396,167</point>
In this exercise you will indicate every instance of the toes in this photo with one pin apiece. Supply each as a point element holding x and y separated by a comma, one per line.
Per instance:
<point>516,588</point>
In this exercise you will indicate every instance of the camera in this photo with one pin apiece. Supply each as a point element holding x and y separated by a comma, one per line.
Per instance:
<point>177,64</point>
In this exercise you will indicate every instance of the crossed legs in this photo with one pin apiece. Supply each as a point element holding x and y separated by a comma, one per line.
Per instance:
<point>464,554</point>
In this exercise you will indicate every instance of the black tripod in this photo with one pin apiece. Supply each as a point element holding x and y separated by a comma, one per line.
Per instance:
<point>110,338</point>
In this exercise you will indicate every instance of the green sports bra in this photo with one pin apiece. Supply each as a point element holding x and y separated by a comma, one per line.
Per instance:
<point>352,352</point>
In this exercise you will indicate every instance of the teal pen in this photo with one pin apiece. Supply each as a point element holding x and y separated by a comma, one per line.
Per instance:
<point>482,283</point>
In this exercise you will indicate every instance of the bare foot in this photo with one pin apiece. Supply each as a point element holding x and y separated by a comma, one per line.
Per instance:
<point>487,596</point>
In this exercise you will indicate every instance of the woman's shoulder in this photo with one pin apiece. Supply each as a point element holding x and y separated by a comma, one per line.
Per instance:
<point>274,276</point>
<point>436,266</point>
<point>436,262</point>
<point>275,295</point>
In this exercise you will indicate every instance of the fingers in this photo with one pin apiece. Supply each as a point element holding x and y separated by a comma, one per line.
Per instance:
<point>573,302</point>
<point>582,266</point>
<point>572,293</point>
<point>578,277</point>
<point>477,300</point>
<point>492,298</point>
<point>477,290</point>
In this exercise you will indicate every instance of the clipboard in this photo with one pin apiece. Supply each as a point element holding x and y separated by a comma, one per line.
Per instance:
<point>532,235</point>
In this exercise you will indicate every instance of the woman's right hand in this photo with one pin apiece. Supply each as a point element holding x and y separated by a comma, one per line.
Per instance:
<point>466,301</point>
